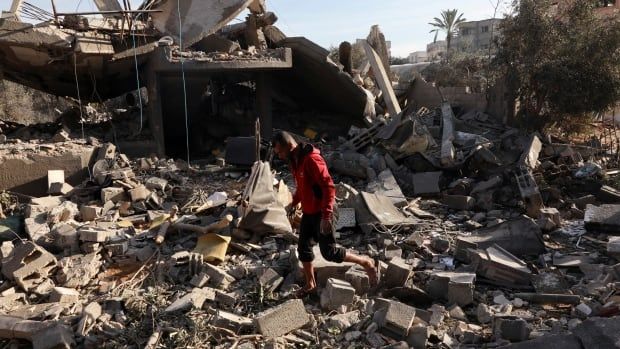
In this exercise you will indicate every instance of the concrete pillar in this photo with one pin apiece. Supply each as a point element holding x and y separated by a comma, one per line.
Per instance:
<point>264,105</point>
<point>15,7</point>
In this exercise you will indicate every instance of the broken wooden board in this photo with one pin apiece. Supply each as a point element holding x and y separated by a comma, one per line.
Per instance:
<point>199,18</point>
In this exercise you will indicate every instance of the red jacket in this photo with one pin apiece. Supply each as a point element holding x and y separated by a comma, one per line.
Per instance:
<point>315,187</point>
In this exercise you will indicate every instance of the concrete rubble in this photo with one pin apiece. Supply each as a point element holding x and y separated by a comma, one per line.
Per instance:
<point>484,235</point>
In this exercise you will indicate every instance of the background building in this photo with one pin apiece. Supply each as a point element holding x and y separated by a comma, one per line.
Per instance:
<point>436,50</point>
<point>476,36</point>
<point>418,57</point>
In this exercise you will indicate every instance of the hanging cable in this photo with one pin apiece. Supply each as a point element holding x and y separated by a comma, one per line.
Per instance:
<point>183,75</point>
<point>77,85</point>
<point>135,57</point>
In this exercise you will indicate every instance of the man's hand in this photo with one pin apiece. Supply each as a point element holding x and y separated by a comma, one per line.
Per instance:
<point>327,227</point>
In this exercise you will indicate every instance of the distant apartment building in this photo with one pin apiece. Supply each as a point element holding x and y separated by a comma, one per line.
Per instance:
<point>476,36</point>
<point>436,50</point>
<point>418,57</point>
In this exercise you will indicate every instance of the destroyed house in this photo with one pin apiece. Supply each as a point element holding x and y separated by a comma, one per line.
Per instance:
<point>206,80</point>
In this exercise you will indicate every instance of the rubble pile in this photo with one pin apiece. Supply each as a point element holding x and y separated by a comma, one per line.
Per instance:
<point>493,249</point>
<point>484,235</point>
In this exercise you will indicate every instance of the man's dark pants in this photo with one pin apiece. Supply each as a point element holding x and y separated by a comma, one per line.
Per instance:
<point>310,234</point>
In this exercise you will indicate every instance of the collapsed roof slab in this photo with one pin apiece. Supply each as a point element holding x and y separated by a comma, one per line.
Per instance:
<point>318,83</point>
<point>199,18</point>
<point>43,57</point>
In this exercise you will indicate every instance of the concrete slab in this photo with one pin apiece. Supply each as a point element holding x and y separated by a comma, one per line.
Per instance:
<point>385,84</point>
<point>604,218</point>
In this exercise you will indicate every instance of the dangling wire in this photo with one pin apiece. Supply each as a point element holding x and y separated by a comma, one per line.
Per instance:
<point>77,85</point>
<point>183,75</point>
<point>135,57</point>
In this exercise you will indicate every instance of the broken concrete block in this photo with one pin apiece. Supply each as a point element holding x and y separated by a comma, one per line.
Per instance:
<point>227,298</point>
<point>196,298</point>
<point>29,265</point>
<point>90,314</point>
<point>94,234</point>
<point>199,280</point>
<point>337,293</point>
<point>232,321</point>
<point>270,280</point>
<point>155,183</point>
<point>64,295</point>
<point>457,288</point>
<point>501,266</point>
<point>604,218</point>
<point>386,185</point>
<point>65,236</point>
<point>344,321</point>
<point>58,188</point>
<point>280,320</point>
<point>63,212</point>
<point>392,251</point>
<point>426,183</point>
<point>6,249</point>
<point>484,313</point>
<point>397,320</point>
<point>217,277</point>
<point>117,246</point>
<point>77,270</point>
<point>418,336</point>
<point>459,202</point>
<point>113,194</point>
<point>440,244</point>
<point>553,215</point>
<point>89,213</point>
<point>511,328</point>
<point>397,273</point>
<point>139,193</point>
<point>358,278</point>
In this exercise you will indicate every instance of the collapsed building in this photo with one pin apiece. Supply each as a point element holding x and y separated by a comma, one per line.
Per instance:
<point>485,236</point>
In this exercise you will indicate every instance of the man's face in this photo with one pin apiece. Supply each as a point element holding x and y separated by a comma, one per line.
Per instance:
<point>282,151</point>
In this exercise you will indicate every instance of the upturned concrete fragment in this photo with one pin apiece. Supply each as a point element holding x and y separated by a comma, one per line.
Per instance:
<point>397,320</point>
<point>397,273</point>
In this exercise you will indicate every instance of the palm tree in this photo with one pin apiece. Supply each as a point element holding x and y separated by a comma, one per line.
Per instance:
<point>448,23</point>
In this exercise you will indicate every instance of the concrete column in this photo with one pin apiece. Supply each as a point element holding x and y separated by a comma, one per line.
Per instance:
<point>264,105</point>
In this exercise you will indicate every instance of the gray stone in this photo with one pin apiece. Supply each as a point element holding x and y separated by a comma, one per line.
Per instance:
<point>344,321</point>
<point>113,194</point>
<point>511,328</point>
<point>397,320</point>
<point>397,273</point>
<point>64,295</point>
<point>337,293</point>
<point>232,321</point>
<point>270,280</point>
<point>280,320</point>
<point>418,337</point>
<point>456,288</point>
<point>358,278</point>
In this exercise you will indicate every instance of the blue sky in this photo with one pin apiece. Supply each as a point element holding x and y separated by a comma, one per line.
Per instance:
<point>404,22</point>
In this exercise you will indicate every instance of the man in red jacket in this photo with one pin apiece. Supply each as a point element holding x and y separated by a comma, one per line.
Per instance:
<point>316,193</point>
